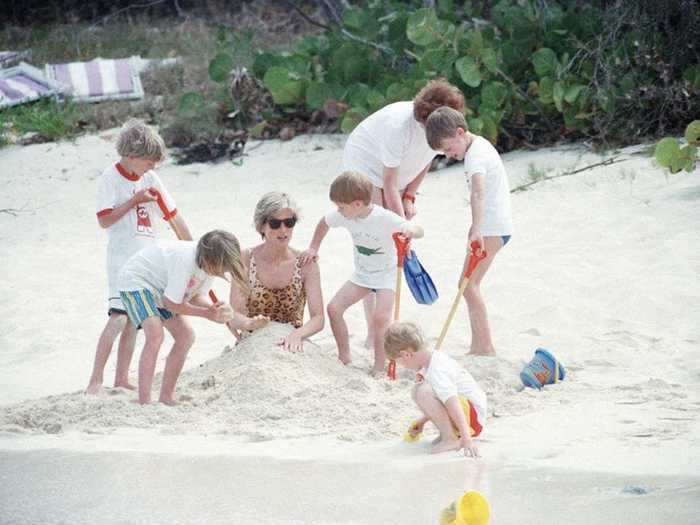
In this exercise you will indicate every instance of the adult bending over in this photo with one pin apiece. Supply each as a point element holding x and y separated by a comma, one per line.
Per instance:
<point>390,148</point>
<point>279,286</point>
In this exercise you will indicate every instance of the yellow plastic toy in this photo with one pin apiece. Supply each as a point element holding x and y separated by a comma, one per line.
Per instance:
<point>411,438</point>
<point>471,509</point>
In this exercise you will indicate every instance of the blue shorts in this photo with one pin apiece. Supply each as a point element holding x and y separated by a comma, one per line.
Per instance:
<point>140,305</point>
<point>505,239</point>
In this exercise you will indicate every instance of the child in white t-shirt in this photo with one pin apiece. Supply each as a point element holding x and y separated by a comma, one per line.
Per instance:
<point>492,226</point>
<point>126,208</point>
<point>371,228</point>
<point>163,283</point>
<point>446,393</point>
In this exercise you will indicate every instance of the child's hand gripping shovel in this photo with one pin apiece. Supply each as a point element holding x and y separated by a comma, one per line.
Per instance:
<point>169,217</point>
<point>402,245</point>
<point>475,257</point>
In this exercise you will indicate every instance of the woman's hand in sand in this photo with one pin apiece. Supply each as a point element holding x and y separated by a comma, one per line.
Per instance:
<point>235,331</point>
<point>257,322</point>
<point>292,343</point>
<point>308,256</point>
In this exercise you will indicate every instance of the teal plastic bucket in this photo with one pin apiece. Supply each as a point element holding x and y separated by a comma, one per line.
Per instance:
<point>542,370</point>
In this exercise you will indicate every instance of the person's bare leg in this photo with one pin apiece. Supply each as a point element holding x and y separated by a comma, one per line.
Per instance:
<point>183,339</point>
<point>125,352</point>
<point>115,324</point>
<point>482,343</point>
<point>434,410</point>
<point>381,320</point>
<point>153,330</point>
<point>348,295</point>
<point>368,304</point>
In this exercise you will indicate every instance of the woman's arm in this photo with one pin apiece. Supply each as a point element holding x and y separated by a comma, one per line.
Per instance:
<point>391,190</point>
<point>408,198</point>
<point>314,298</point>
<point>238,300</point>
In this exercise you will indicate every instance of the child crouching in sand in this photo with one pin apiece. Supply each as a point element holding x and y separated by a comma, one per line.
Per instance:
<point>445,392</point>
<point>162,283</point>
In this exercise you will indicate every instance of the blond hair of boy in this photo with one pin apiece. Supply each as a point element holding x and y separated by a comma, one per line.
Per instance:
<point>447,395</point>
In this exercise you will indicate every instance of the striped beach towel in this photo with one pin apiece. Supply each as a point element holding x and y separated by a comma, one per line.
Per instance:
<point>7,58</point>
<point>99,79</point>
<point>24,83</point>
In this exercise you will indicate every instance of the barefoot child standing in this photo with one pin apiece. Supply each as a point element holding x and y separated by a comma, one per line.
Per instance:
<point>162,284</point>
<point>445,392</point>
<point>125,208</point>
<point>371,228</point>
<point>447,131</point>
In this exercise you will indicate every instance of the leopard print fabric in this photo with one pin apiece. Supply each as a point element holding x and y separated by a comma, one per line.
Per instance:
<point>284,305</point>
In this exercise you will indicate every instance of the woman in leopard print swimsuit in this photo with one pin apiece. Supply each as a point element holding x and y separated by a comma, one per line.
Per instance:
<point>279,286</point>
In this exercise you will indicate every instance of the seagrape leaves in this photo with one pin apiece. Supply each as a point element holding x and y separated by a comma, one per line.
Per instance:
<point>670,154</point>
<point>545,61</point>
<point>425,28</point>
<point>285,89</point>
<point>468,70</point>
<point>220,66</point>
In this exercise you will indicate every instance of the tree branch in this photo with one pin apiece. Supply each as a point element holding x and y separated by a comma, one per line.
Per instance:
<point>606,162</point>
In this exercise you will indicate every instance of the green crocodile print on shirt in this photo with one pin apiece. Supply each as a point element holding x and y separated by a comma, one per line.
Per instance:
<point>363,250</point>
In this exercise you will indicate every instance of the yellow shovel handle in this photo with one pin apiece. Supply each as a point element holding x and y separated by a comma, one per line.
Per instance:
<point>397,300</point>
<point>455,304</point>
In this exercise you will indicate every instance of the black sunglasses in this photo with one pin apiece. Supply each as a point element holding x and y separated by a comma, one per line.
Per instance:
<point>276,223</point>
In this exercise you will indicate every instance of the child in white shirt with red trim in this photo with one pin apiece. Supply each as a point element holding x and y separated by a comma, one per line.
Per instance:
<point>126,205</point>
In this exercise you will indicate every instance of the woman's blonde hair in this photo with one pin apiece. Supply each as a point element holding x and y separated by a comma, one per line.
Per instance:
<point>136,139</point>
<point>220,251</point>
<point>268,205</point>
<point>403,336</point>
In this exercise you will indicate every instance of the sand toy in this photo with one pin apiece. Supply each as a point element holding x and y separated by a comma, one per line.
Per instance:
<point>543,369</point>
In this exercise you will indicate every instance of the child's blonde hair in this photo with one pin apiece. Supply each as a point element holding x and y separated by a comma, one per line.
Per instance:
<point>442,124</point>
<point>136,139</point>
<point>403,336</point>
<point>268,205</point>
<point>435,94</point>
<point>351,186</point>
<point>220,250</point>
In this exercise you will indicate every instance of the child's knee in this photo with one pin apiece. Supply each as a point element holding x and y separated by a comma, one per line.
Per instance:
<point>381,320</point>
<point>334,310</point>
<point>187,337</point>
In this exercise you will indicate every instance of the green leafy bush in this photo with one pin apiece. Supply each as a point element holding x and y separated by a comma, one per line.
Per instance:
<point>670,154</point>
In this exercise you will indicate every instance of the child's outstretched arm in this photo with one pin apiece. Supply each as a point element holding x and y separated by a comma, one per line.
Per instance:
<point>454,410</point>
<point>197,307</point>
<point>311,253</point>
<point>477,203</point>
<point>412,231</point>
<point>182,229</point>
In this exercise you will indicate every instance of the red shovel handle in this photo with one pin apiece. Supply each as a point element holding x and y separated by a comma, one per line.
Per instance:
<point>475,257</point>
<point>402,246</point>
<point>161,203</point>
<point>213,297</point>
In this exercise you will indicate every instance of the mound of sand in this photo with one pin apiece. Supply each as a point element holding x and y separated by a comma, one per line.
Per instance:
<point>263,392</point>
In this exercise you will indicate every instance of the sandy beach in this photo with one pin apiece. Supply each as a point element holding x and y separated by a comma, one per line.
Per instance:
<point>603,270</point>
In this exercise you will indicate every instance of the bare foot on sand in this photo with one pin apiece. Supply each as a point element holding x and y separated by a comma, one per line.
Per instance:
<point>122,384</point>
<point>169,401</point>
<point>344,358</point>
<point>477,351</point>
<point>93,388</point>
<point>445,445</point>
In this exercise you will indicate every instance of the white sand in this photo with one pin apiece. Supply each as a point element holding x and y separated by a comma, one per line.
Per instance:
<point>602,270</point>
